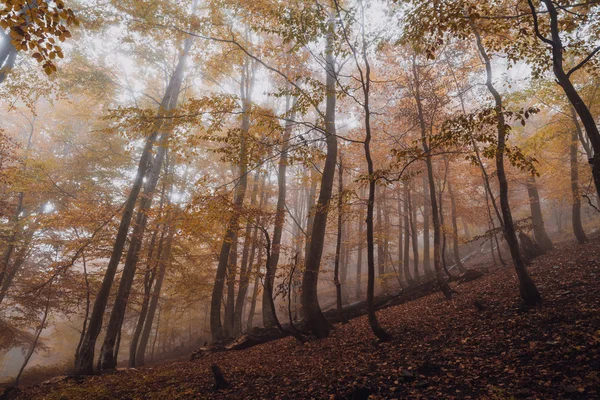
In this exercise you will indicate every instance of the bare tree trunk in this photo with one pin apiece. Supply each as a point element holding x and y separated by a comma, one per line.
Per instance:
<point>216,327</point>
<point>539,230</point>
<point>414,238</point>
<point>407,234</point>
<point>386,231</point>
<point>255,289</point>
<point>107,360</point>
<point>443,225</point>
<point>156,333</point>
<point>246,263</point>
<point>85,359</point>
<point>455,248</point>
<point>400,232</point>
<point>87,303</point>
<point>338,246</point>
<point>527,288</point>
<point>379,236</point>
<point>359,257</point>
<point>163,263</point>
<point>315,319</point>
<point>576,199</point>
<point>426,218</point>
<point>565,83</point>
<point>8,55</point>
<point>149,275</point>
<point>231,276</point>
<point>279,215</point>
<point>432,195</point>
<point>345,262</point>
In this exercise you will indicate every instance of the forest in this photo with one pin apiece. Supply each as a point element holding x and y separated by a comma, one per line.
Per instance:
<point>339,199</point>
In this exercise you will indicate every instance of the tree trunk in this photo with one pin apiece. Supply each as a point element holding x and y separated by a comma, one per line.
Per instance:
<point>379,236</point>
<point>539,230</point>
<point>315,319</point>
<point>84,362</point>
<point>432,195</point>
<point>455,248</point>
<point>359,257</point>
<point>575,99</point>
<point>527,288</point>
<point>414,238</point>
<point>149,275</point>
<point>400,232</point>
<point>576,199</point>
<point>386,232</point>
<point>231,276</point>
<point>107,360</point>
<point>252,311</point>
<point>246,263</point>
<point>426,218</point>
<point>338,245</point>
<point>8,55</point>
<point>407,234</point>
<point>216,328</point>
<point>443,225</point>
<point>163,263</point>
<point>268,313</point>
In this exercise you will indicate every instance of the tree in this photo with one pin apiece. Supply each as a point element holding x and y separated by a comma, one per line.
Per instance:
<point>563,76</point>
<point>359,51</point>
<point>527,288</point>
<point>432,193</point>
<point>34,27</point>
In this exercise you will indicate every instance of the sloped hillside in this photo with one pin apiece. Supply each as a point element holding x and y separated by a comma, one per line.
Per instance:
<point>497,349</point>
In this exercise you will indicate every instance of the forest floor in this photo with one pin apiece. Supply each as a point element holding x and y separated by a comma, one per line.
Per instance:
<point>442,349</point>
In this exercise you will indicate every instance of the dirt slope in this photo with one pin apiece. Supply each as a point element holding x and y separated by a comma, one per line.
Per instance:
<point>441,349</point>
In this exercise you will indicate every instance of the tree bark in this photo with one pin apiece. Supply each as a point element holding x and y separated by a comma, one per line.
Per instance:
<point>407,234</point>
<point>85,359</point>
<point>432,195</point>
<point>315,319</point>
<point>455,248</point>
<point>338,245</point>
<point>216,327</point>
<point>8,55</point>
<point>527,287</point>
<point>565,83</point>
<point>228,316</point>
<point>359,257</point>
<point>426,219</point>
<point>107,360</point>
<point>163,264</point>
<point>246,263</point>
<point>400,231</point>
<point>575,196</point>
<point>414,238</point>
<point>379,236</point>
<point>539,230</point>
<point>268,313</point>
<point>149,276</point>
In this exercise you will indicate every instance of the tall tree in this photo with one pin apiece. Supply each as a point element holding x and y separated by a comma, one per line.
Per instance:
<point>216,326</point>
<point>85,359</point>
<point>527,287</point>
<point>437,228</point>
<point>268,313</point>
<point>315,319</point>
